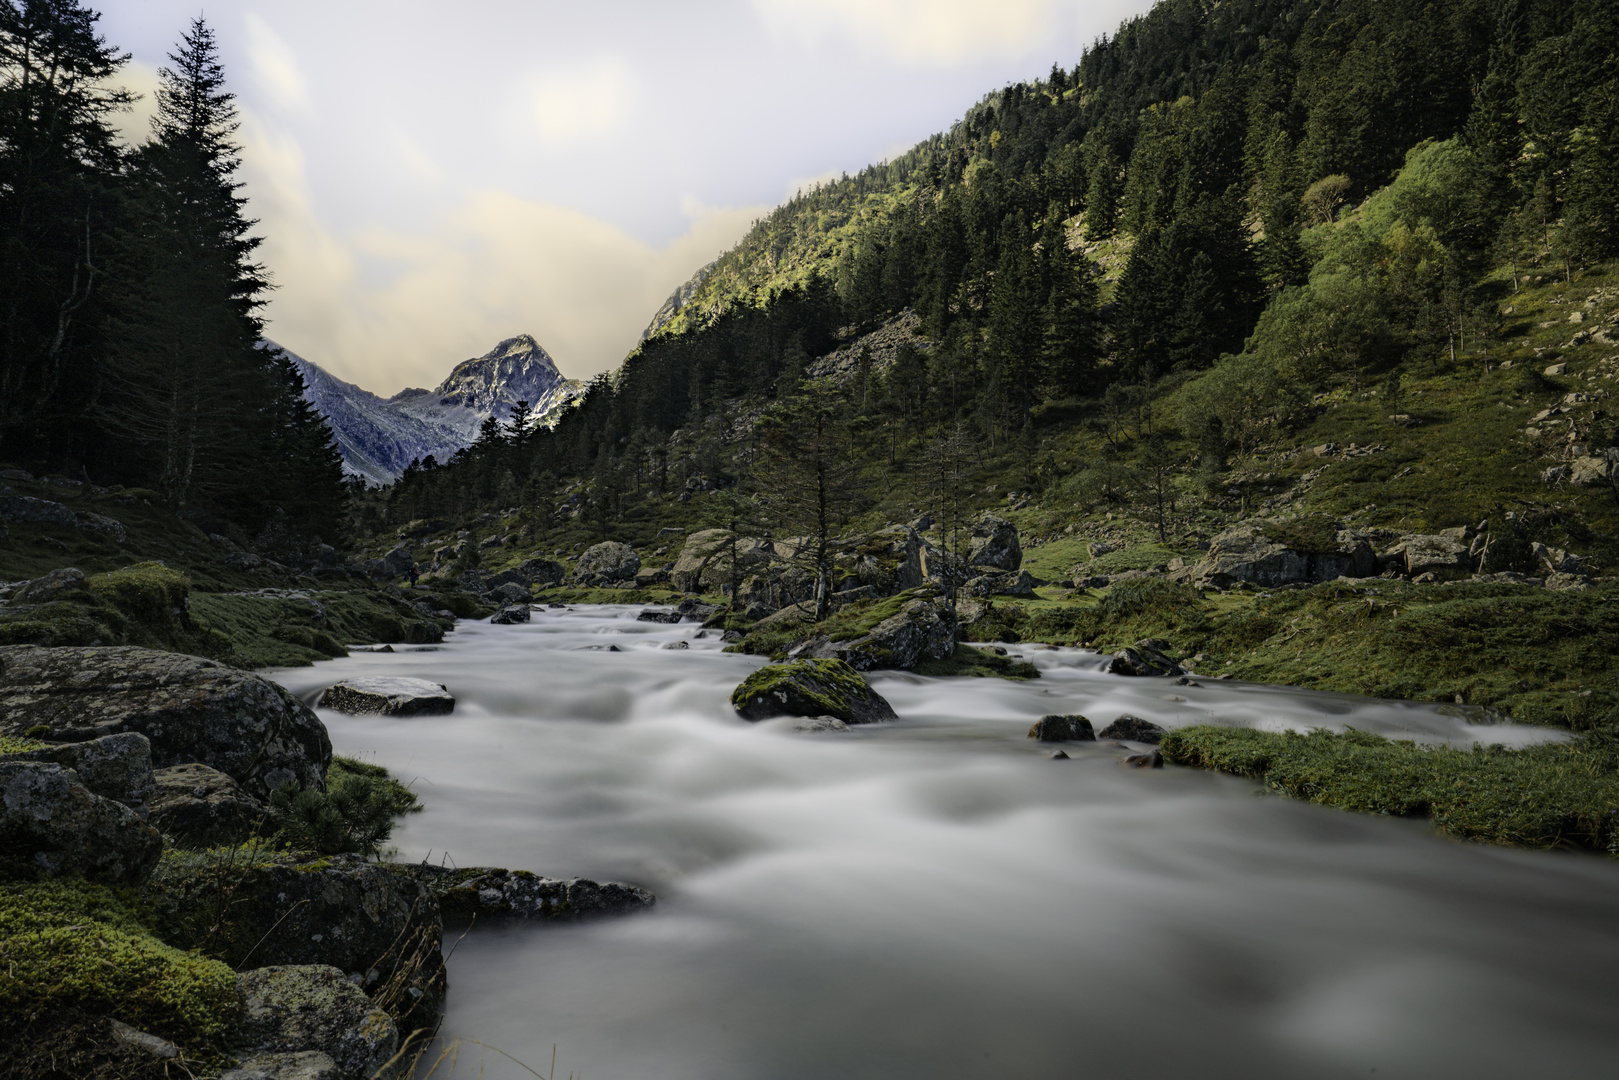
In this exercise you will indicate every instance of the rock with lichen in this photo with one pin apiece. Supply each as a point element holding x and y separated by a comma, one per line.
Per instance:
<point>189,709</point>
<point>484,892</point>
<point>51,823</point>
<point>116,767</point>
<point>201,807</point>
<point>313,1008</point>
<point>810,688</point>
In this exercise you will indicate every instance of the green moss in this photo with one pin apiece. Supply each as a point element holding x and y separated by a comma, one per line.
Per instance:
<point>145,604</point>
<point>69,943</point>
<point>1138,557</point>
<point>1542,796</point>
<point>12,745</point>
<point>279,631</point>
<point>829,687</point>
<point>1308,534</point>
<point>978,663</point>
<point>147,592</point>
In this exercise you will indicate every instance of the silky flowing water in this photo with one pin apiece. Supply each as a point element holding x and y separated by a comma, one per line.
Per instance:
<point>937,898</point>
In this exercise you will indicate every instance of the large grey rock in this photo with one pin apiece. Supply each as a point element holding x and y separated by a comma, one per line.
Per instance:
<point>388,696</point>
<point>995,543</point>
<point>606,563</point>
<point>53,586</point>
<point>303,1008</point>
<point>116,767</point>
<point>483,893</point>
<point>529,572</point>
<point>189,709</point>
<point>398,562</point>
<point>201,807</point>
<point>511,614</point>
<point>51,822</point>
<point>1248,552</point>
<point>1146,657</point>
<point>810,688</point>
<point>1443,556</point>
<point>704,564</point>
<point>918,631</point>
<point>22,508</point>
<point>1595,468</point>
<point>302,1065</point>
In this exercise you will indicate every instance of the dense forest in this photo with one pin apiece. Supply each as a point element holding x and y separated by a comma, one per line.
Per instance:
<point>1292,197</point>
<point>129,295</point>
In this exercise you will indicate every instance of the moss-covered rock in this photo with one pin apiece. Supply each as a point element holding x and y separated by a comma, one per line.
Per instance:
<point>69,944</point>
<point>314,1007</point>
<point>810,688</point>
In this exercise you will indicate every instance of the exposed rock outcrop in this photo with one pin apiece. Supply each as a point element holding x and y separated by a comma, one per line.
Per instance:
<point>202,807</point>
<point>810,688</point>
<point>1443,556</point>
<point>189,709</point>
<point>995,543</point>
<point>1264,554</point>
<point>918,631</point>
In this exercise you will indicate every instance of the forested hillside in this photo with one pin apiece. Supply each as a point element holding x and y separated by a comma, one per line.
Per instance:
<point>129,292</point>
<point>1141,282</point>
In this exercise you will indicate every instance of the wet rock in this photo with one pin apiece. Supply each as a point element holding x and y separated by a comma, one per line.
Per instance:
<point>1146,657</point>
<point>303,1008</point>
<point>508,593</point>
<point>607,563</point>
<point>1057,755</point>
<point>1055,728</point>
<point>810,688</point>
<point>116,767</point>
<point>1133,729</point>
<point>389,696</point>
<point>995,543</point>
<point>304,1065</point>
<point>484,892</point>
<point>814,725</point>
<point>1152,759</point>
<point>1442,556</point>
<point>188,708</point>
<point>510,615</point>
<point>918,631</point>
<point>654,616</point>
<point>202,807</point>
<point>675,645</point>
<point>53,586</point>
<point>51,822</point>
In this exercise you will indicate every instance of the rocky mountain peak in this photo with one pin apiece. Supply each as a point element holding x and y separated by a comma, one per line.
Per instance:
<point>517,369</point>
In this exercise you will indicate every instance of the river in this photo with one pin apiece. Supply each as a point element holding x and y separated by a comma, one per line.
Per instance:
<point>937,898</point>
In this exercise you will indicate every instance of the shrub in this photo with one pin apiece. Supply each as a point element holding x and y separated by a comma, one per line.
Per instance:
<point>356,812</point>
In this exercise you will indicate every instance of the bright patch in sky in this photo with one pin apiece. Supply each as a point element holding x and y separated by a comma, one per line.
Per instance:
<point>430,179</point>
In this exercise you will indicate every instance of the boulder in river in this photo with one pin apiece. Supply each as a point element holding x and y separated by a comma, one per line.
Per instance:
<point>1145,657</point>
<point>654,615</point>
<point>189,709</point>
<point>1055,728</point>
<point>510,615</point>
<point>1133,729</point>
<point>201,807</point>
<point>313,1008</point>
<point>810,688</point>
<point>51,822</point>
<point>1152,759</point>
<point>388,696</point>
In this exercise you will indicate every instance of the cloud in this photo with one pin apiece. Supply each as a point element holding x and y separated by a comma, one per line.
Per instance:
<point>135,126</point>
<point>581,102</point>
<point>275,67</point>
<point>388,309</point>
<point>919,33</point>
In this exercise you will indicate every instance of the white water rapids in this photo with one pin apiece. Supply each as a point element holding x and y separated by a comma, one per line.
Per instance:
<point>935,898</point>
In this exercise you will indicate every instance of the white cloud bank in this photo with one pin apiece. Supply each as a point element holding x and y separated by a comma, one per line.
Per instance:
<point>943,33</point>
<point>494,266</point>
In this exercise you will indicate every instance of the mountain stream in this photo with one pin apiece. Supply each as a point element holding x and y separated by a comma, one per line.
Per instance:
<point>937,898</point>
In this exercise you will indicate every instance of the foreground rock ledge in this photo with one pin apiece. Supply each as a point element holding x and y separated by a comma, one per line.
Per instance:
<point>189,709</point>
<point>389,696</point>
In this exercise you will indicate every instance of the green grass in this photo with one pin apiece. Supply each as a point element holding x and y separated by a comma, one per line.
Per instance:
<point>1542,796</point>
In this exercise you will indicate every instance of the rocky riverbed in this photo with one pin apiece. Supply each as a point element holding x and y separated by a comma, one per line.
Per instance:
<point>935,896</point>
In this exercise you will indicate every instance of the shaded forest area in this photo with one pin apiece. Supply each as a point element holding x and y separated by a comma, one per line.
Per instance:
<point>129,292</point>
<point>1127,274</point>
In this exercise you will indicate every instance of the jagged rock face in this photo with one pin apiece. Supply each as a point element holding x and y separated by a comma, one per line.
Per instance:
<point>677,300</point>
<point>995,544</point>
<point>189,709</point>
<point>379,437</point>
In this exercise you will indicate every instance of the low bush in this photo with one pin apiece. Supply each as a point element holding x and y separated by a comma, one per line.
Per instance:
<point>355,813</point>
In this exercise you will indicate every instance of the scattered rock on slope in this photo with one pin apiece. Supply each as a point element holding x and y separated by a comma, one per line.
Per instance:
<point>607,563</point>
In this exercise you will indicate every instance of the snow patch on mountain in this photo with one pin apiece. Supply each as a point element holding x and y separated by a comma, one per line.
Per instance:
<point>378,437</point>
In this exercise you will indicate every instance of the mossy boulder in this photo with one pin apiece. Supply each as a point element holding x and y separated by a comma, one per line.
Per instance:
<point>314,1007</point>
<point>918,631</point>
<point>810,688</point>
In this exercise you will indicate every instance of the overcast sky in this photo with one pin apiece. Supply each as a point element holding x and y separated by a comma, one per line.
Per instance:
<point>433,177</point>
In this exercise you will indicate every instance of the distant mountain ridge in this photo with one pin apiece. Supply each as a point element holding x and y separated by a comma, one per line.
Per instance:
<point>378,437</point>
